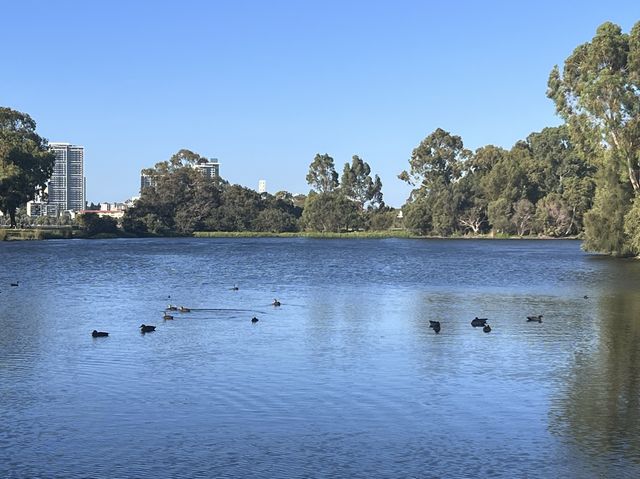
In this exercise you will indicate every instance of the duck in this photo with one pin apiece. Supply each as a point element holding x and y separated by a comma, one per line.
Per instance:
<point>147,328</point>
<point>534,318</point>
<point>166,316</point>
<point>586,297</point>
<point>17,283</point>
<point>182,309</point>
<point>99,334</point>
<point>171,307</point>
<point>435,325</point>
<point>254,320</point>
<point>235,288</point>
<point>276,302</point>
<point>486,328</point>
<point>476,322</point>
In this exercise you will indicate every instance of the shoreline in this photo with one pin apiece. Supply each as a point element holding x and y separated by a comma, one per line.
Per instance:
<point>37,234</point>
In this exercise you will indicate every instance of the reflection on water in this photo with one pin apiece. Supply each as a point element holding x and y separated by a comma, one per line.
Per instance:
<point>599,407</point>
<point>345,379</point>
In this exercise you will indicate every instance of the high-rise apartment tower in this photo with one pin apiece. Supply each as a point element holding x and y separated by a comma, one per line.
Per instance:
<point>66,188</point>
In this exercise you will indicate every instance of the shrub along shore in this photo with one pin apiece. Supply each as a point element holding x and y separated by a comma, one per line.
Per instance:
<point>66,233</point>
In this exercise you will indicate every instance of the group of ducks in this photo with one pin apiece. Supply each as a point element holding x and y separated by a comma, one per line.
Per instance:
<point>182,309</point>
<point>145,328</point>
<point>482,322</point>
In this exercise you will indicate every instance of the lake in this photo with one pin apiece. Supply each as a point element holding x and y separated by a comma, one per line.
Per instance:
<point>344,379</point>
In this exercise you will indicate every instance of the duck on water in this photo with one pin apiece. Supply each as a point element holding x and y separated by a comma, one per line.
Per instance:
<point>477,322</point>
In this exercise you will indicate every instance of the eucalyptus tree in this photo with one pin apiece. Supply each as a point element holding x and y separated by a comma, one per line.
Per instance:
<point>567,182</point>
<point>26,164</point>
<point>322,176</point>
<point>506,183</point>
<point>180,200</point>
<point>473,214</point>
<point>331,212</point>
<point>436,160</point>
<point>598,94</point>
<point>435,165</point>
<point>357,184</point>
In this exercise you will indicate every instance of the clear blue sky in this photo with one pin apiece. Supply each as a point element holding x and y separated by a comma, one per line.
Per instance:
<point>265,85</point>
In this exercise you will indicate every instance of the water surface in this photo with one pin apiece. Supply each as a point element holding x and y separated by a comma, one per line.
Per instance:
<point>345,379</point>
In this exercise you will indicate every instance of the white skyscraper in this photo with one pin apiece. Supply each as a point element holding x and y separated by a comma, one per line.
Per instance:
<point>262,186</point>
<point>66,189</point>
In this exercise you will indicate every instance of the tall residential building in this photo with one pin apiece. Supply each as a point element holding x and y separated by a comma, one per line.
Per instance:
<point>210,168</point>
<point>262,186</point>
<point>66,189</point>
<point>146,181</point>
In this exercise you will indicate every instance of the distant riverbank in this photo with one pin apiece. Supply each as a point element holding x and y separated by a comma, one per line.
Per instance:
<point>357,235</point>
<point>31,234</point>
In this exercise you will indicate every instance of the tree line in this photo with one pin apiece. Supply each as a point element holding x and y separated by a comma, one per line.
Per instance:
<point>180,200</point>
<point>540,186</point>
<point>580,178</point>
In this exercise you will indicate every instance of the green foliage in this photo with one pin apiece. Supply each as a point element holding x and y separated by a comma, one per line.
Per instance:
<point>604,223</point>
<point>358,185</point>
<point>499,212</point>
<point>444,206</point>
<point>553,217</point>
<point>305,234</point>
<point>239,207</point>
<point>26,164</point>
<point>632,227</point>
<point>381,219</point>
<point>598,94</point>
<point>522,217</point>
<point>498,189</point>
<point>417,216</point>
<point>331,212</point>
<point>14,234</point>
<point>322,176</point>
<point>95,225</point>
<point>276,221</point>
<point>435,161</point>
<point>182,201</point>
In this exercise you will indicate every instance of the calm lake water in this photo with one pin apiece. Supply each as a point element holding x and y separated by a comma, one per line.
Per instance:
<point>345,379</point>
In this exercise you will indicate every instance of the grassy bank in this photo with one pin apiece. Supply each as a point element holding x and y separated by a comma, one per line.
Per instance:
<point>363,235</point>
<point>304,234</point>
<point>68,233</point>
<point>7,234</point>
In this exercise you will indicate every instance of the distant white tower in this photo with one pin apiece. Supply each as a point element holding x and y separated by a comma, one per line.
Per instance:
<point>262,186</point>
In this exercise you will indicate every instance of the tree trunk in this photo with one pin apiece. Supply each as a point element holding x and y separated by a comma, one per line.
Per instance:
<point>573,215</point>
<point>634,178</point>
<point>12,217</point>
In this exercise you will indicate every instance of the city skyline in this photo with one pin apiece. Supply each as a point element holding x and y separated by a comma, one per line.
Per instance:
<point>266,88</point>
